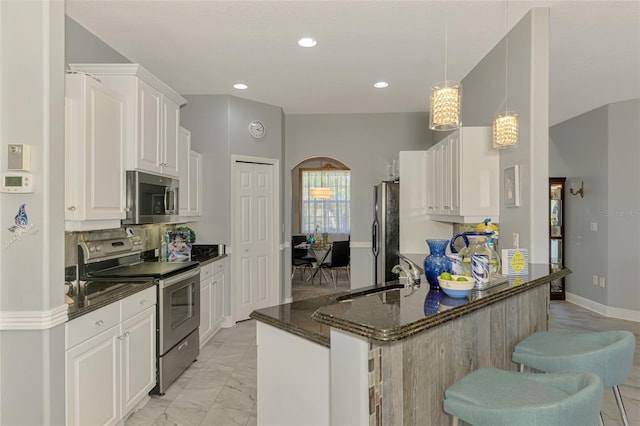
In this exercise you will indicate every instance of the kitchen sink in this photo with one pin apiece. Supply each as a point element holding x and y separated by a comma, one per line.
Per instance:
<point>369,292</point>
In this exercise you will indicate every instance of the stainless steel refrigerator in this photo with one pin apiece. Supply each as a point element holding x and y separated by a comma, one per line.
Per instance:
<point>385,231</point>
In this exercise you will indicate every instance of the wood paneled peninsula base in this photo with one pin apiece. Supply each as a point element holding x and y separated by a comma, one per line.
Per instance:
<point>384,356</point>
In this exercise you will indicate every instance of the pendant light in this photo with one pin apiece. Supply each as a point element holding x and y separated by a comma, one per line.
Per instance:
<point>506,126</point>
<point>321,192</point>
<point>446,98</point>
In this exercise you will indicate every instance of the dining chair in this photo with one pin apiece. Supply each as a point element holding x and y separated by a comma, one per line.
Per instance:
<point>298,261</point>
<point>300,253</point>
<point>340,258</point>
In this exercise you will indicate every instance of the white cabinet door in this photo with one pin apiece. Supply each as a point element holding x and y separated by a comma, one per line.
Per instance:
<point>184,156</point>
<point>217,304</point>
<point>138,358</point>
<point>149,140</point>
<point>431,181</point>
<point>453,143</point>
<point>170,130</point>
<point>466,182</point>
<point>206,323</point>
<point>93,380</point>
<point>195,184</point>
<point>94,146</point>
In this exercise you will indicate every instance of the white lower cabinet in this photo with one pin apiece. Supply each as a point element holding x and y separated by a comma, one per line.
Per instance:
<point>111,360</point>
<point>211,299</point>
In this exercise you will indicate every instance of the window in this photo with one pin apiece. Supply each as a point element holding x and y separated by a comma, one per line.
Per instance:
<point>331,215</point>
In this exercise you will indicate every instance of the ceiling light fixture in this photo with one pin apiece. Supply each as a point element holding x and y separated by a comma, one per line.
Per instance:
<point>240,86</point>
<point>446,98</point>
<point>322,192</point>
<point>307,42</point>
<point>506,126</point>
<point>381,85</point>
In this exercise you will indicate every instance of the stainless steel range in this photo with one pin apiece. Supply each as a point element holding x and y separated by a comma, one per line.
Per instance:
<point>178,284</point>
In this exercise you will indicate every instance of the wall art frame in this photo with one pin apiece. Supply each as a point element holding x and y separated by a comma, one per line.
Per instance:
<point>511,186</point>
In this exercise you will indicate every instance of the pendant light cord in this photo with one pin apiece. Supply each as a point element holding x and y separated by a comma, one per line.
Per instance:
<point>446,39</point>
<point>506,61</point>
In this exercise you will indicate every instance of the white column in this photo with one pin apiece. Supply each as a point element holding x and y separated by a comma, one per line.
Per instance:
<point>32,309</point>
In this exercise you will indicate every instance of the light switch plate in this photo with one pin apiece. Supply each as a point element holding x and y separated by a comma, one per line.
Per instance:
<point>594,226</point>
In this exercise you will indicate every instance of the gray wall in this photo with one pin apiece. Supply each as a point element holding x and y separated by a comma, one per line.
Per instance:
<point>484,97</point>
<point>219,129</point>
<point>83,47</point>
<point>601,148</point>
<point>365,143</point>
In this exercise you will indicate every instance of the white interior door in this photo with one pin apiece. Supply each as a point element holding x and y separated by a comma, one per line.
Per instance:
<point>255,258</point>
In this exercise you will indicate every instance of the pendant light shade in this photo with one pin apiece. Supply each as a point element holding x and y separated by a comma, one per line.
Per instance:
<point>321,193</point>
<point>446,100</point>
<point>506,130</point>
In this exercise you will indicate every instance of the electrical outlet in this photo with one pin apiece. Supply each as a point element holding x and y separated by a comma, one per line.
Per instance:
<point>594,226</point>
<point>516,240</point>
<point>595,280</point>
<point>602,282</point>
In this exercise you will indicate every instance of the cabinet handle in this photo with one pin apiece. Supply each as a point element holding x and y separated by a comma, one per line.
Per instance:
<point>126,334</point>
<point>447,208</point>
<point>99,323</point>
<point>121,337</point>
<point>72,208</point>
<point>143,302</point>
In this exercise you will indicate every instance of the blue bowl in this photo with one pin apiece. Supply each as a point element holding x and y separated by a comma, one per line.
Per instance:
<point>456,294</point>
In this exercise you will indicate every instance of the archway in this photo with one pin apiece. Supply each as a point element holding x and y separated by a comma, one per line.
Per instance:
<point>322,217</point>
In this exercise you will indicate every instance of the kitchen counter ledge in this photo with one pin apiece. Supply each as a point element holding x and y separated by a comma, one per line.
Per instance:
<point>75,311</point>
<point>395,314</point>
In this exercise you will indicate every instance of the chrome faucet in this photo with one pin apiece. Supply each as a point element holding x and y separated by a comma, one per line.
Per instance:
<point>412,274</point>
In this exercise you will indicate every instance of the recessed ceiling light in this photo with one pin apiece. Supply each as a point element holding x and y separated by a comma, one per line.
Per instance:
<point>240,86</point>
<point>307,42</point>
<point>381,85</point>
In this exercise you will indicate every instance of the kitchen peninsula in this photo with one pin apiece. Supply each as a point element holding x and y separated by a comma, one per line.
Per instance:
<point>386,355</point>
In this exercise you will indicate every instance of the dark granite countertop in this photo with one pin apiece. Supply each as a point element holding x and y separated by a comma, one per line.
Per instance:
<point>391,312</point>
<point>109,296</point>
<point>205,260</point>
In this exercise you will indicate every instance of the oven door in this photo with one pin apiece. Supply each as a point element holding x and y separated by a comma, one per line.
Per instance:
<point>179,308</point>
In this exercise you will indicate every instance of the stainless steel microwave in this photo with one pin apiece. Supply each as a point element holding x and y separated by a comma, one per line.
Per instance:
<point>151,198</point>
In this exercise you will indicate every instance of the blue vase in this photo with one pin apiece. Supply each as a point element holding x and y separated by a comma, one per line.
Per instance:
<point>436,262</point>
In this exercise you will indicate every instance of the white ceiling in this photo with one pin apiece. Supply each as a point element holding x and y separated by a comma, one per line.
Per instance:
<point>204,46</point>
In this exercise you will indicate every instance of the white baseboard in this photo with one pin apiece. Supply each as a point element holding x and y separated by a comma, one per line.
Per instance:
<point>604,310</point>
<point>288,300</point>
<point>228,322</point>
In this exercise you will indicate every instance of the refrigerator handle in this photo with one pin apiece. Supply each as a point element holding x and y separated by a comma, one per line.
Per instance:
<point>374,238</point>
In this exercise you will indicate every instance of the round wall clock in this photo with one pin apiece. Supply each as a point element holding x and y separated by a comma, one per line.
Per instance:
<point>256,129</point>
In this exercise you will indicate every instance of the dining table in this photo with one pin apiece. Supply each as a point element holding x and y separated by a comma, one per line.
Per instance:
<point>320,251</point>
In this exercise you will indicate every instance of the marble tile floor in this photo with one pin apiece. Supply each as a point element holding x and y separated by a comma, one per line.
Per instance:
<point>220,388</point>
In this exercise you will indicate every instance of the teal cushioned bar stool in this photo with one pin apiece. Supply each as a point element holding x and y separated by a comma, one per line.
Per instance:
<point>609,354</point>
<point>493,397</point>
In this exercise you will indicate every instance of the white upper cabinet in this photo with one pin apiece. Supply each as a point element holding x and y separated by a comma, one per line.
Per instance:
<point>190,176</point>
<point>152,116</point>
<point>94,147</point>
<point>464,173</point>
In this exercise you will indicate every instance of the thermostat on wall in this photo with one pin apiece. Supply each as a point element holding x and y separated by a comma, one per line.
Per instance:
<point>16,182</point>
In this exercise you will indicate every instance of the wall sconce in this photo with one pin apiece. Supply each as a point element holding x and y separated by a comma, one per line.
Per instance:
<point>579,191</point>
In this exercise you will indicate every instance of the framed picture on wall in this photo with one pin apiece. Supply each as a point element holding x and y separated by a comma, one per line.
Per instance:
<point>511,186</point>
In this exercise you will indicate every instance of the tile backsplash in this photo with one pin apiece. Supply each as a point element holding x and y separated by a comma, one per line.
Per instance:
<point>150,235</point>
